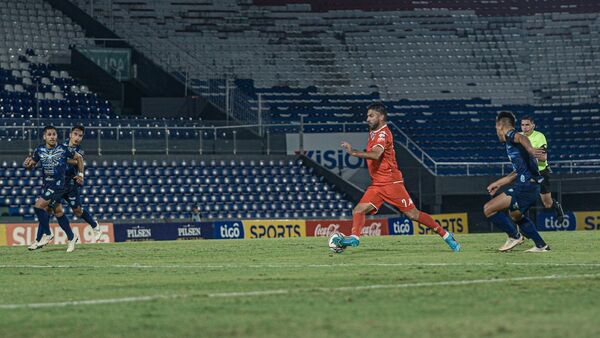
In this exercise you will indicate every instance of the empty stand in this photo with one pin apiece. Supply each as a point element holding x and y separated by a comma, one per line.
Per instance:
<point>125,190</point>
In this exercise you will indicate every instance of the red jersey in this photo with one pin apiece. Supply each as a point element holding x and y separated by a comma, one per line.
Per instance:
<point>385,170</point>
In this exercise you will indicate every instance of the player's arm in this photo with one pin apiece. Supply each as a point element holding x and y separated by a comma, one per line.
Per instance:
<point>542,150</point>
<point>80,167</point>
<point>373,154</point>
<point>31,160</point>
<point>508,179</point>
<point>524,141</point>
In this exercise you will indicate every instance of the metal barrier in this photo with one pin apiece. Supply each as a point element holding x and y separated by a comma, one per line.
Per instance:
<point>168,137</point>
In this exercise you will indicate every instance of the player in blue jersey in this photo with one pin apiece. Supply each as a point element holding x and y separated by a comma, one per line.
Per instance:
<point>72,194</point>
<point>524,191</point>
<point>53,160</point>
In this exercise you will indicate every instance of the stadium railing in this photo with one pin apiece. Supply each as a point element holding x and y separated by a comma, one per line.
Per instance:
<point>178,137</point>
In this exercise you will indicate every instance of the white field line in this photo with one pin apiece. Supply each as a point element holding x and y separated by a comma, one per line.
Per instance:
<point>286,266</point>
<point>262,293</point>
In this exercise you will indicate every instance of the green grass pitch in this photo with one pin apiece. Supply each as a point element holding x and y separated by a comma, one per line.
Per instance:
<point>392,286</point>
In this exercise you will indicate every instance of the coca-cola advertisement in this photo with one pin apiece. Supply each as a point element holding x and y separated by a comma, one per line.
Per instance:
<point>375,227</point>
<point>325,228</point>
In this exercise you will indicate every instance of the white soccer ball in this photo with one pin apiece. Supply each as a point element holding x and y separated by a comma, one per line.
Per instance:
<point>332,246</point>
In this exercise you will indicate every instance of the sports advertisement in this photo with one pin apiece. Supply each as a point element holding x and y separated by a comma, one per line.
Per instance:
<point>24,233</point>
<point>547,221</point>
<point>456,223</point>
<point>274,228</point>
<point>325,150</point>
<point>161,231</point>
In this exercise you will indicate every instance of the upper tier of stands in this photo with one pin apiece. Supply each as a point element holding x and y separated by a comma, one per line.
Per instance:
<point>434,50</point>
<point>31,34</point>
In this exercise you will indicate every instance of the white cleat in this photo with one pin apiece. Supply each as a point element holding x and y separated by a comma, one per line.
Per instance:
<point>511,243</point>
<point>71,246</point>
<point>545,248</point>
<point>34,246</point>
<point>45,240</point>
<point>97,233</point>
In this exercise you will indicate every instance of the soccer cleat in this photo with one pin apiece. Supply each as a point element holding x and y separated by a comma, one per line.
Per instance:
<point>335,243</point>
<point>560,213</point>
<point>45,240</point>
<point>97,233</point>
<point>511,243</point>
<point>452,243</point>
<point>535,249</point>
<point>71,246</point>
<point>34,246</point>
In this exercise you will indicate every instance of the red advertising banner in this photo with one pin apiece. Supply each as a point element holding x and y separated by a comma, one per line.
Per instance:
<point>24,233</point>
<point>325,228</point>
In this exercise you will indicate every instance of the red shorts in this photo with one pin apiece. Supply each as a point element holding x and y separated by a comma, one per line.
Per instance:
<point>393,193</point>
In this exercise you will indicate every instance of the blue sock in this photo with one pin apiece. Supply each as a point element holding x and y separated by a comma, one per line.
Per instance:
<point>44,222</point>
<point>47,227</point>
<point>501,220</point>
<point>88,218</point>
<point>350,241</point>
<point>528,229</point>
<point>63,221</point>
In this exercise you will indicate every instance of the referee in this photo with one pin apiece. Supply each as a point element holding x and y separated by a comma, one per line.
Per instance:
<point>538,141</point>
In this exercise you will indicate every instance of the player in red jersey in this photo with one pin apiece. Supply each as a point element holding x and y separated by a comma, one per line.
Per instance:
<point>387,184</point>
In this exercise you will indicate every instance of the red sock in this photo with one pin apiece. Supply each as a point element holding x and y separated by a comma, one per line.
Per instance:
<point>425,219</point>
<point>358,222</point>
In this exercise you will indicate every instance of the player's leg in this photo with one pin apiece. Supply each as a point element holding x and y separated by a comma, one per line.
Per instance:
<point>43,221</point>
<point>547,199</point>
<point>396,195</point>
<point>79,211</point>
<point>63,221</point>
<point>494,210</point>
<point>529,230</point>
<point>527,197</point>
<point>369,203</point>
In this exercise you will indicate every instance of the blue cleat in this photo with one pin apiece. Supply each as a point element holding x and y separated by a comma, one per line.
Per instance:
<point>452,243</point>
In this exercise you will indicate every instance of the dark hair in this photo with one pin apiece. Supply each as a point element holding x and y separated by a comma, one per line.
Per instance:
<point>46,128</point>
<point>527,117</point>
<point>78,127</point>
<point>378,107</point>
<point>506,116</point>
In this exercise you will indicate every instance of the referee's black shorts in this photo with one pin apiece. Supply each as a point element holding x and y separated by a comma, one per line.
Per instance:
<point>545,186</point>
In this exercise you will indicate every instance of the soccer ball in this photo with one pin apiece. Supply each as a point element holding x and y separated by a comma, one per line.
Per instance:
<point>332,246</point>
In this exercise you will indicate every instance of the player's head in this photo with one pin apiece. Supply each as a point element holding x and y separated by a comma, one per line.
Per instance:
<point>376,115</point>
<point>505,121</point>
<point>527,125</point>
<point>76,135</point>
<point>50,135</point>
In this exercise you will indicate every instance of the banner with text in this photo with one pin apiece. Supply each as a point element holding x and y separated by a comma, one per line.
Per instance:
<point>401,226</point>
<point>24,233</point>
<point>228,230</point>
<point>274,228</point>
<point>161,231</point>
<point>587,220</point>
<point>2,234</point>
<point>324,148</point>
<point>547,221</point>
<point>457,223</point>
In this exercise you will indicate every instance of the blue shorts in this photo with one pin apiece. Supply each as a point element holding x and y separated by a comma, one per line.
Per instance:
<point>52,194</point>
<point>70,194</point>
<point>523,196</point>
<point>73,196</point>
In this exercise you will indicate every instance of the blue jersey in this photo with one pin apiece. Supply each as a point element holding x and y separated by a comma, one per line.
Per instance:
<point>54,164</point>
<point>523,163</point>
<point>72,170</point>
